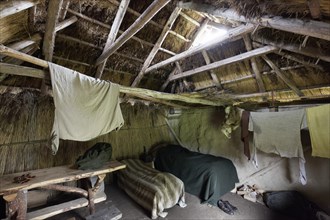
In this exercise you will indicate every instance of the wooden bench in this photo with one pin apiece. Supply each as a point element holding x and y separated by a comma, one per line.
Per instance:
<point>15,194</point>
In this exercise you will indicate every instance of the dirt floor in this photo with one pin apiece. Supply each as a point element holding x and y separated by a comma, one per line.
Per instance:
<point>194,210</point>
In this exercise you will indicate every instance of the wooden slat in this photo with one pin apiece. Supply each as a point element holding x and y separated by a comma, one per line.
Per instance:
<point>158,44</point>
<point>230,60</point>
<point>255,69</point>
<point>12,7</point>
<point>190,19</point>
<point>66,23</point>
<point>64,207</point>
<point>291,57</point>
<point>304,27</point>
<point>112,35</point>
<point>285,79</point>
<point>244,29</point>
<point>134,28</point>
<point>65,6</point>
<point>6,68</point>
<point>54,7</point>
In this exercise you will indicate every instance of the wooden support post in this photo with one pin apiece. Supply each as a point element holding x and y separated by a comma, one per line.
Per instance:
<point>285,79</point>
<point>112,35</point>
<point>53,11</point>
<point>254,64</point>
<point>158,44</point>
<point>230,60</point>
<point>225,38</point>
<point>12,7</point>
<point>309,27</point>
<point>134,28</point>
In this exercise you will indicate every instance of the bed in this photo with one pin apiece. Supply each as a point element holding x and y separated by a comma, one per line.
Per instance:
<point>206,176</point>
<point>150,188</point>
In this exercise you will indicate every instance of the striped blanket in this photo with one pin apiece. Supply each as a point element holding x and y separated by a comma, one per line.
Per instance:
<point>152,189</point>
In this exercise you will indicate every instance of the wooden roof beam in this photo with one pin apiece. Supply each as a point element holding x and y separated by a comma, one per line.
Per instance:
<point>230,60</point>
<point>291,57</point>
<point>254,65</point>
<point>53,11</point>
<point>158,44</point>
<point>65,23</point>
<point>232,34</point>
<point>285,79</point>
<point>65,6</point>
<point>306,51</point>
<point>112,35</point>
<point>123,89</point>
<point>190,19</point>
<point>150,12</point>
<point>139,40</point>
<point>311,28</point>
<point>12,7</point>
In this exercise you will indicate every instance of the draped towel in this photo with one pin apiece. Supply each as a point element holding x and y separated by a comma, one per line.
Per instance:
<point>318,119</point>
<point>85,108</point>
<point>279,133</point>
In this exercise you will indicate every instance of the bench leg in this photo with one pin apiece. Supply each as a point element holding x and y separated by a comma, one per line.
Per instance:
<point>17,206</point>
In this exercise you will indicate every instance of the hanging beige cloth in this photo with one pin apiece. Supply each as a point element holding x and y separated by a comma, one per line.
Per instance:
<point>85,107</point>
<point>318,120</point>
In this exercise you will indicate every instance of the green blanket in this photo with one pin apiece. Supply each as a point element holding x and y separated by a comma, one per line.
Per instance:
<point>206,176</point>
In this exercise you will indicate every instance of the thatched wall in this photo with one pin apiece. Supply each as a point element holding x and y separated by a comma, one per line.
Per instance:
<point>26,120</point>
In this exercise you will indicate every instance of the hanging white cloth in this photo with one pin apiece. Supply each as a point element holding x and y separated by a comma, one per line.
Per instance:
<point>279,133</point>
<point>85,107</point>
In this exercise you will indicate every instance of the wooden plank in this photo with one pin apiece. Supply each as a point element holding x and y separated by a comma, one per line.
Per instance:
<point>54,175</point>
<point>112,35</point>
<point>12,7</point>
<point>64,207</point>
<point>303,27</point>
<point>9,69</point>
<point>244,29</point>
<point>230,60</point>
<point>150,12</point>
<point>255,69</point>
<point>158,44</point>
<point>54,7</point>
<point>123,89</point>
<point>285,79</point>
<point>66,23</point>
<point>306,51</point>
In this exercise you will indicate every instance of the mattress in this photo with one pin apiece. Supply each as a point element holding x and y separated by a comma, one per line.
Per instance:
<point>150,188</point>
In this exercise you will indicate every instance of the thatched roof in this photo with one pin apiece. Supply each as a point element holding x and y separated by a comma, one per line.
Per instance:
<point>295,66</point>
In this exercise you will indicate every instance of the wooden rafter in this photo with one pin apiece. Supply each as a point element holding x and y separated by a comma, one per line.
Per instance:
<point>153,23</point>
<point>254,64</point>
<point>158,44</point>
<point>12,7</point>
<point>291,57</point>
<point>53,11</point>
<point>112,35</point>
<point>139,40</point>
<point>65,23</point>
<point>134,28</point>
<point>65,6</point>
<point>178,70</point>
<point>232,34</point>
<point>214,76</point>
<point>285,79</point>
<point>306,51</point>
<point>123,89</point>
<point>230,60</point>
<point>311,28</point>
